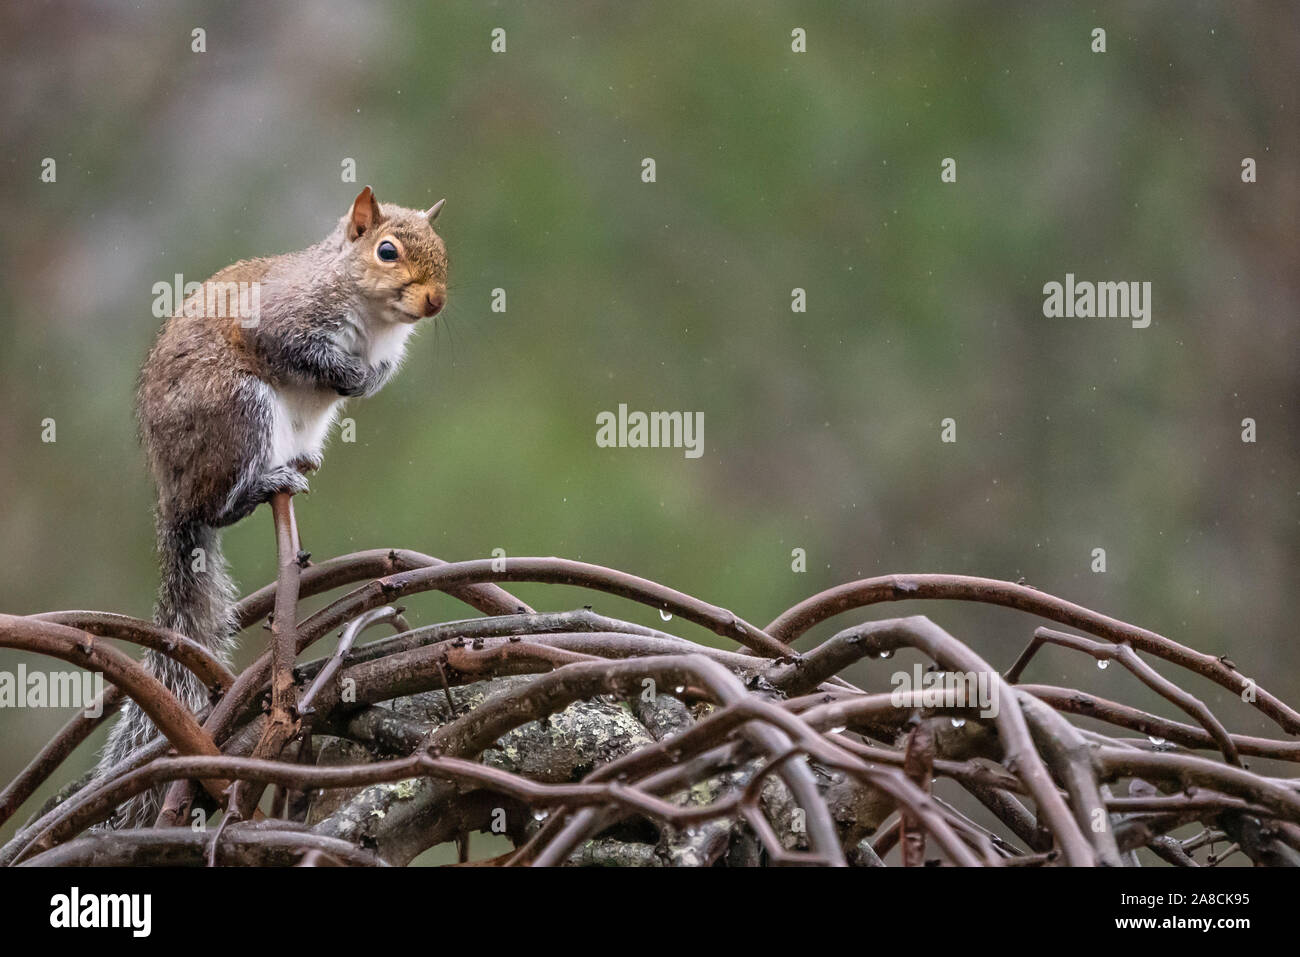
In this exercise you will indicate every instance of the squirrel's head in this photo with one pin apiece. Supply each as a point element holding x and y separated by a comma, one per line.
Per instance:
<point>396,258</point>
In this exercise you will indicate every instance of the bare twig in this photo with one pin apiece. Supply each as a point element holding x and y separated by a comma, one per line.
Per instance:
<point>742,744</point>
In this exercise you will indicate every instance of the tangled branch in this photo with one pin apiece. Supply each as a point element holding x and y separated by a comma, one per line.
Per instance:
<point>584,739</point>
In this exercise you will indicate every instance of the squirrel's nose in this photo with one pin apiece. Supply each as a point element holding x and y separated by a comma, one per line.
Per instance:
<point>433,303</point>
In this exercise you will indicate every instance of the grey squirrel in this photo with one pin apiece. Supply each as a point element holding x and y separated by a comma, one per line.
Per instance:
<point>234,408</point>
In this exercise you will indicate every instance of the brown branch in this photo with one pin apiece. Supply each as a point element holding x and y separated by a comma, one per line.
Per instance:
<point>85,650</point>
<point>709,774</point>
<point>60,810</point>
<point>342,650</point>
<point>1070,759</point>
<point>283,723</point>
<point>1126,656</point>
<point>374,563</point>
<point>1020,755</point>
<point>918,764</point>
<point>447,577</point>
<point>464,773</point>
<point>182,847</point>
<point>793,622</point>
<point>560,571</point>
<point>1186,770</point>
<point>477,730</point>
<point>1078,702</point>
<point>184,651</point>
<point>56,751</point>
<point>817,746</point>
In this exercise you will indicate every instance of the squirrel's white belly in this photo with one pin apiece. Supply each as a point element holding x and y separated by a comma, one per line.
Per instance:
<point>300,420</point>
<point>388,343</point>
<point>377,341</point>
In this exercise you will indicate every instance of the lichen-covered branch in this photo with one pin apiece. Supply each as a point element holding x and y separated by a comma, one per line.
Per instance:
<point>568,737</point>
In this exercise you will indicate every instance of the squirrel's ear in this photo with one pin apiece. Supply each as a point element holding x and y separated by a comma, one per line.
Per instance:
<point>364,215</point>
<point>432,212</point>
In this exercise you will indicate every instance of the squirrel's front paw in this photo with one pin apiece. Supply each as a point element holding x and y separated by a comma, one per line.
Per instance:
<point>286,478</point>
<point>307,462</point>
<point>369,381</point>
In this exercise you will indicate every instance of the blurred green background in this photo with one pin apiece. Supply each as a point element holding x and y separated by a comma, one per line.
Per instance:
<point>775,170</point>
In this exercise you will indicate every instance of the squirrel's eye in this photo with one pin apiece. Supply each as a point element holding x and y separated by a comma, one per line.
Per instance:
<point>387,252</point>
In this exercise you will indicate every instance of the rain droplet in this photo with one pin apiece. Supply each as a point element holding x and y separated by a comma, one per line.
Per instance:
<point>840,729</point>
<point>1103,663</point>
<point>665,615</point>
<point>958,722</point>
<point>1156,741</point>
<point>680,688</point>
<point>539,815</point>
<point>886,653</point>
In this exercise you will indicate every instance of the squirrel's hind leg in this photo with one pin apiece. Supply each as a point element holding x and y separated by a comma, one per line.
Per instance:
<point>259,488</point>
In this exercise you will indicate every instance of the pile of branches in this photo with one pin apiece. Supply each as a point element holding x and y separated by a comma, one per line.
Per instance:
<point>588,740</point>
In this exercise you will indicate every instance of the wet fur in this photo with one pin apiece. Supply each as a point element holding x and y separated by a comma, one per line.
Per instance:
<point>230,415</point>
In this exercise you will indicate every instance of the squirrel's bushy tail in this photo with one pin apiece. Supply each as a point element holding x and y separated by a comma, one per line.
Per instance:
<point>196,598</point>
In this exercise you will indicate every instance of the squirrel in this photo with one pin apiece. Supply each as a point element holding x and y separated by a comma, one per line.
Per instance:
<point>235,408</point>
